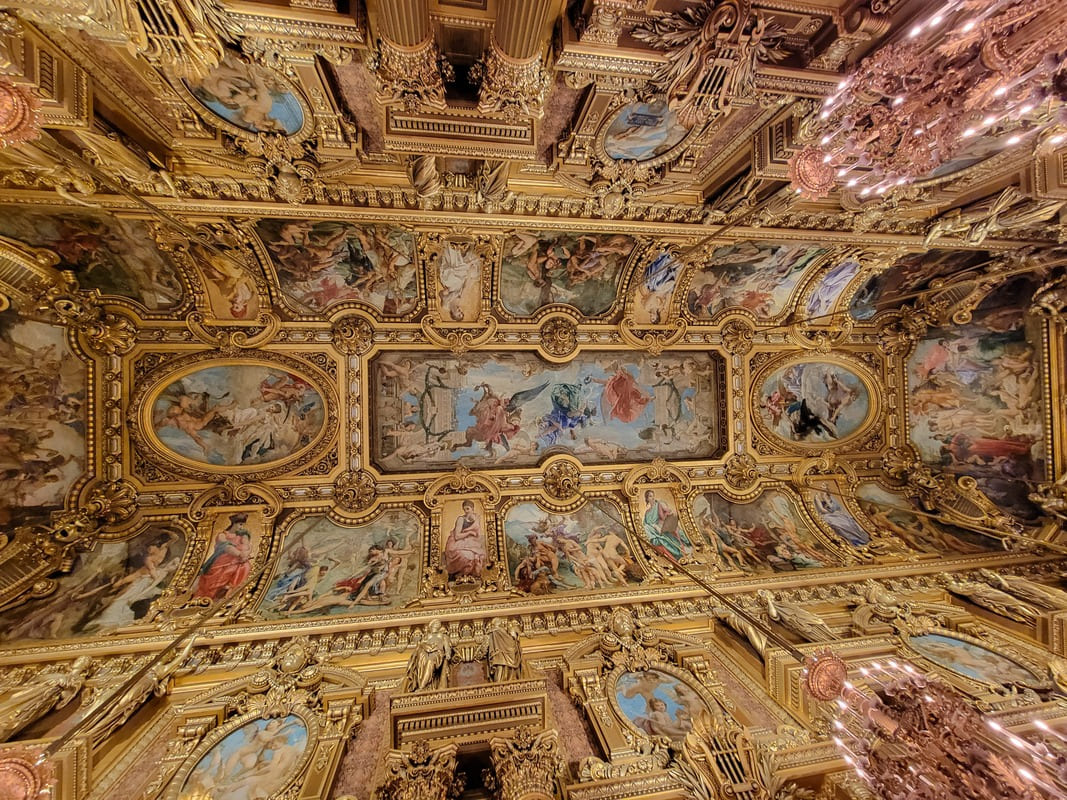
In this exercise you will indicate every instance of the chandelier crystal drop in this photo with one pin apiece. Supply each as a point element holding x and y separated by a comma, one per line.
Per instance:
<point>974,77</point>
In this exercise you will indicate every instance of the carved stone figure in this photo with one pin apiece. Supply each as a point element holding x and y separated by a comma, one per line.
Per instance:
<point>33,164</point>
<point>424,175</point>
<point>1009,209</point>
<point>428,667</point>
<point>153,683</point>
<point>1031,591</point>
<point>1057,672</point>
<point>986,596</point>
<point>756,637</point>
<point>796,618</point>
<point>51,690</point>
<point>1052,497</point>
<point>111,155</point>
<point>504,652</point>
<point>491,183</point>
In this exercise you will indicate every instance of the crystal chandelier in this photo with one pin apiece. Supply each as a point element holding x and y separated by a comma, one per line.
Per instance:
<point>974,74</point>
<point>912,737</point>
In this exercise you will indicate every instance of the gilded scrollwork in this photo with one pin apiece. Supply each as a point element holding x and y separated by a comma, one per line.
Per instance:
<point>375,225</point>
<point>410,77</point>
<point>355,491</point>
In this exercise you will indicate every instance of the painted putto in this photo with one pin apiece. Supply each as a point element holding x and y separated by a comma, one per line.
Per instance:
<point>109,587</point>
<point>813,402</point>
<point>975,400</point>
<point>326,569</point>
<point>587,549</point>
<point>657,703</point>
<point>320,264</point>
<point>511,408</point>
<point>972,660</point>
<point>255,761</point>
<point>42,405</point>
<point>237,415</point>
<point>758,277</point>
<point>768,534</point>
<point>583,270</point>
<point>251,97</point>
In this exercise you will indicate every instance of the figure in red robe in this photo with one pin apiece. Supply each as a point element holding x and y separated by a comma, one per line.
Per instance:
<point>623,399</point>
<point>229,565</point>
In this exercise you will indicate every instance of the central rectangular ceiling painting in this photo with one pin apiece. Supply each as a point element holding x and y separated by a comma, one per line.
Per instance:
<point>487,409</point>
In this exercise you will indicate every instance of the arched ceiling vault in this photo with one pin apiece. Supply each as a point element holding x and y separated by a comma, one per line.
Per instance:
<point>461,309</point>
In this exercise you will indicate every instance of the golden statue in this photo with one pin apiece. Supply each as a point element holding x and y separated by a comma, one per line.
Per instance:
<point>153,683</point>
<point>756,637</point>
<point>504,651</point>
<point>51,690</point>
<point>428,667</point>
<point>806,624</point>
<point>986,596</point>
<point>1031,591</point>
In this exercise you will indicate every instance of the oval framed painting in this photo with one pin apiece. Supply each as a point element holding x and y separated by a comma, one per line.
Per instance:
<point>814,403</point>
<point>248,759</point>
<point>646,131</point>
<point>972,659</point>
<point>659,701</point>
<point>248,99</point>
<point>236,416</point>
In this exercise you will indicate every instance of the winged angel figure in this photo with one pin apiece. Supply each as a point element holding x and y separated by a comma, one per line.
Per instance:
<point>712,51</point>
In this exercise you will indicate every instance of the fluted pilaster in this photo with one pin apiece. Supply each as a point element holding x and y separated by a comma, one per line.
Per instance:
<point>402,22</point>
<point>521,26</point>
<point>408,66</point>
<point>514,80</point>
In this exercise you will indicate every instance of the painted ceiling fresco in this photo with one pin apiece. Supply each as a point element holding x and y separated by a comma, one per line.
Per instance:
<point>372,349</point>
<point>431,414</point>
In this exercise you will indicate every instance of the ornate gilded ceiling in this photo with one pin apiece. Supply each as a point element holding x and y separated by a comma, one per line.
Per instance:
<point>305,289</point>
<point>335,320</point>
